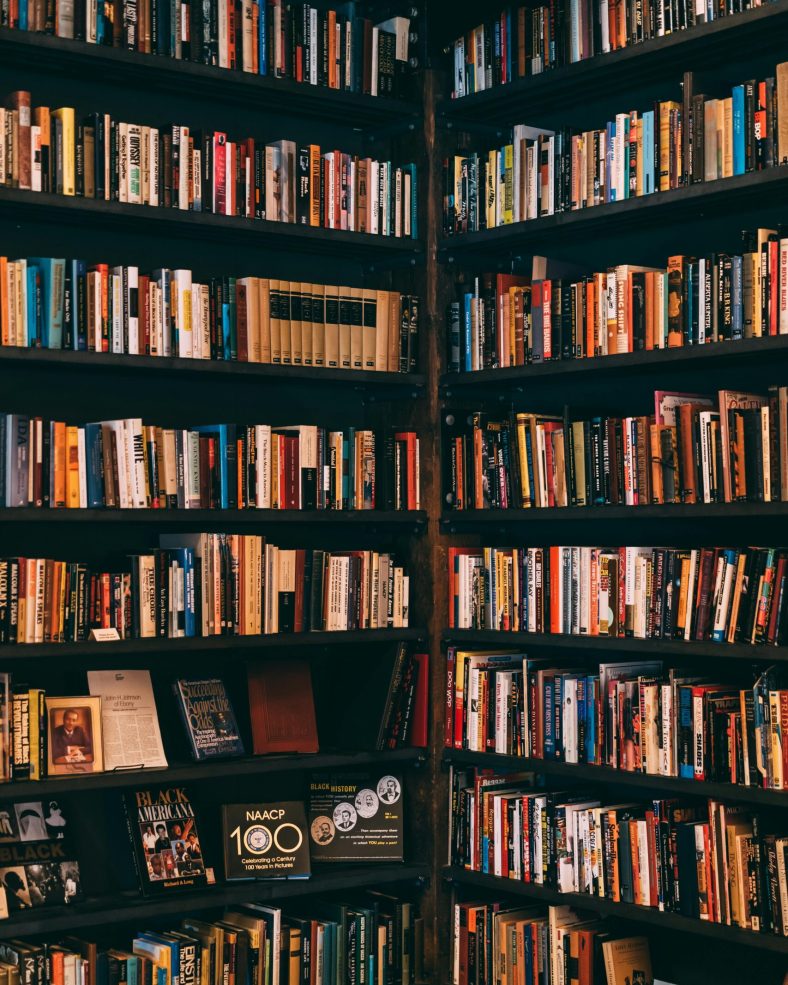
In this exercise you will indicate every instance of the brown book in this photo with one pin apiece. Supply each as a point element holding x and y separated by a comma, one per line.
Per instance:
<point>20,101</point>
<point>282,707</point>
<point>782,119</point>
<point>686,423</point>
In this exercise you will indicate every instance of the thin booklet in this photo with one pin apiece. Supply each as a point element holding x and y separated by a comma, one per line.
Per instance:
<point>130,724</point>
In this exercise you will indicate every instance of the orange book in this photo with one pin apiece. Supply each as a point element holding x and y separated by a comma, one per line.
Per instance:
<point>59,462</point>
<point>72,467</point>
<point>5,320</point>
<point>333,81</point>
<point>555,580</point>
<point>592,338</point>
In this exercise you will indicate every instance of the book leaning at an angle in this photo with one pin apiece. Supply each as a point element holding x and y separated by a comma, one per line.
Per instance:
<point>208,717</point>
<point>130,724</point>
<point>628,961</point>
<point>162,827</point>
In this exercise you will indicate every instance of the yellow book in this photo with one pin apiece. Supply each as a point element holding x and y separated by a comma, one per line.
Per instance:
<point>66,178</point>
<point>508,185</point>
<point>72,467</point>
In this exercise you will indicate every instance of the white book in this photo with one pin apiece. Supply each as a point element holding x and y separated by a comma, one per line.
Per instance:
<point>116,326</point>
<point>123,162</point>
<point>132,305</point>
<point>153,165</point>
<point>130,723</point>
<point>134,169</point>
<point>182,285</point>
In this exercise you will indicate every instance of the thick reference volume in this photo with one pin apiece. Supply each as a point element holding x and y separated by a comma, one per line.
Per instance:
<point>163,829</point>
<point>208,717</point>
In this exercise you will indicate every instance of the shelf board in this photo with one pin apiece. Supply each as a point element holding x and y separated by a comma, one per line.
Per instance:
<point>369,520</point>
<point>154,73</point>
<point>624,911</point>
<point>665,361</point>
<point>724,196</point>
<point>482,520</point>
<point>165,368</point>
<point>650,785</point>
<point>252,234</point>
<point>609,646</point>
<point>118,908</point>
<point>634,65</point>
<point>210,770</point>
<point>226,647</point>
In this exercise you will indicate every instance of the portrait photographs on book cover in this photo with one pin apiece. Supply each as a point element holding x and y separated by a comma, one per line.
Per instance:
<point>356,817</point>
<point>74,734</point>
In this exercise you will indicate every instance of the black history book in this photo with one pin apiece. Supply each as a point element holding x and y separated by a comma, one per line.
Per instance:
<point>265,841</point>
<point>208,717</point>
<point>165,840</point>
<point>356,817</point>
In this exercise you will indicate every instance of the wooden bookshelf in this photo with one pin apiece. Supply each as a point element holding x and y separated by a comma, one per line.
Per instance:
<point>120,219</point>
<point>104,911</point>
<point>178,772</point>
<point>648,61</point>
<point>625,911</point>
<point>168,76</point>
<point>646,784</point>
<point>610,646</point>
<point>632,217</point>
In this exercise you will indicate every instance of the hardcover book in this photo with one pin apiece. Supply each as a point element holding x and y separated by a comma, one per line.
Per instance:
<point>162,826</point>
<point>282,707</point>
<point>208,717</point>
<point>265,841</point>
<point>356,817</point>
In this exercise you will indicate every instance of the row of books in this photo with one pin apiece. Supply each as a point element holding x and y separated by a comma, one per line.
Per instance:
<point>711,594</point>
<point>58,303</point>
<point>334,47</point>
<point>96,156</point>
<point>112,728</point>
<point>202,585</point>
<point>262,944</point>
<point>126,464</point>
<point>498,944</point>
<point>501,320</point>
<point>634,716</point>
<point>713,861</point>
<point>542,172</point>
<point>693,449</point>
<point>523,41</point>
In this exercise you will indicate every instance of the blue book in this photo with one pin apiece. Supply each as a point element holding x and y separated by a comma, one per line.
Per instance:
<point>23,15</point>
<point>686,770</point>
<point>549,721</point>
<point>175,952</point>
<point>34,297</point>
<point>731,557</point>
<point>581,718</point>
<point>610,191</point>
<point>414,202</point>
<point>226,331</point>
<point>737,328</point>
<point>626,157</point>
<point>574,28</point>
<point>345,476</point>
<point>262,37</point>
<point>737,94</point>
<point>95,466</point>
<point>53,272</point>
<point>592,685</point>
<point>208,717</point>
<point>351,468</point>
<point>467,333</point>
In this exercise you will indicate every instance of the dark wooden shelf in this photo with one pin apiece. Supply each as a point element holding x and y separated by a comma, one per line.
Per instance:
<point>165,368</point>
<point>119,908</point>
<point>624,911</point>
<point>252,234</point>
<point>482,520</point>
<point>225,647</point>
<point>651,786</point>
<point>725,196</point>
<point>590,371</point>
<point>154,73</point>
<point>612,646</point>
<point>211,770</point>
<point>634,65</point>
<point>370,520</point>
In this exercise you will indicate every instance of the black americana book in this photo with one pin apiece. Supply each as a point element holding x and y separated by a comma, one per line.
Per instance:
<point>165,840</point>
<point>208,717</point>
<point>265,841</point>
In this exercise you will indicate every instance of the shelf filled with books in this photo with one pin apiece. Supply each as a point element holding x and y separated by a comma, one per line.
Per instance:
<point>625,911</point>
<point>636,63</point>
<point>117,909</point>
<point>584,773</point>
<point>146,73</point>
<point>690,650</point>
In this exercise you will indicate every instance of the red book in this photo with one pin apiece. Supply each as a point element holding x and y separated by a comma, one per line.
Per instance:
<point>282,707</point>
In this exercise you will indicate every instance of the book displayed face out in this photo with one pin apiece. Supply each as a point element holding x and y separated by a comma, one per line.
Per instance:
<point>265,841</point>
<point>356,817</point>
